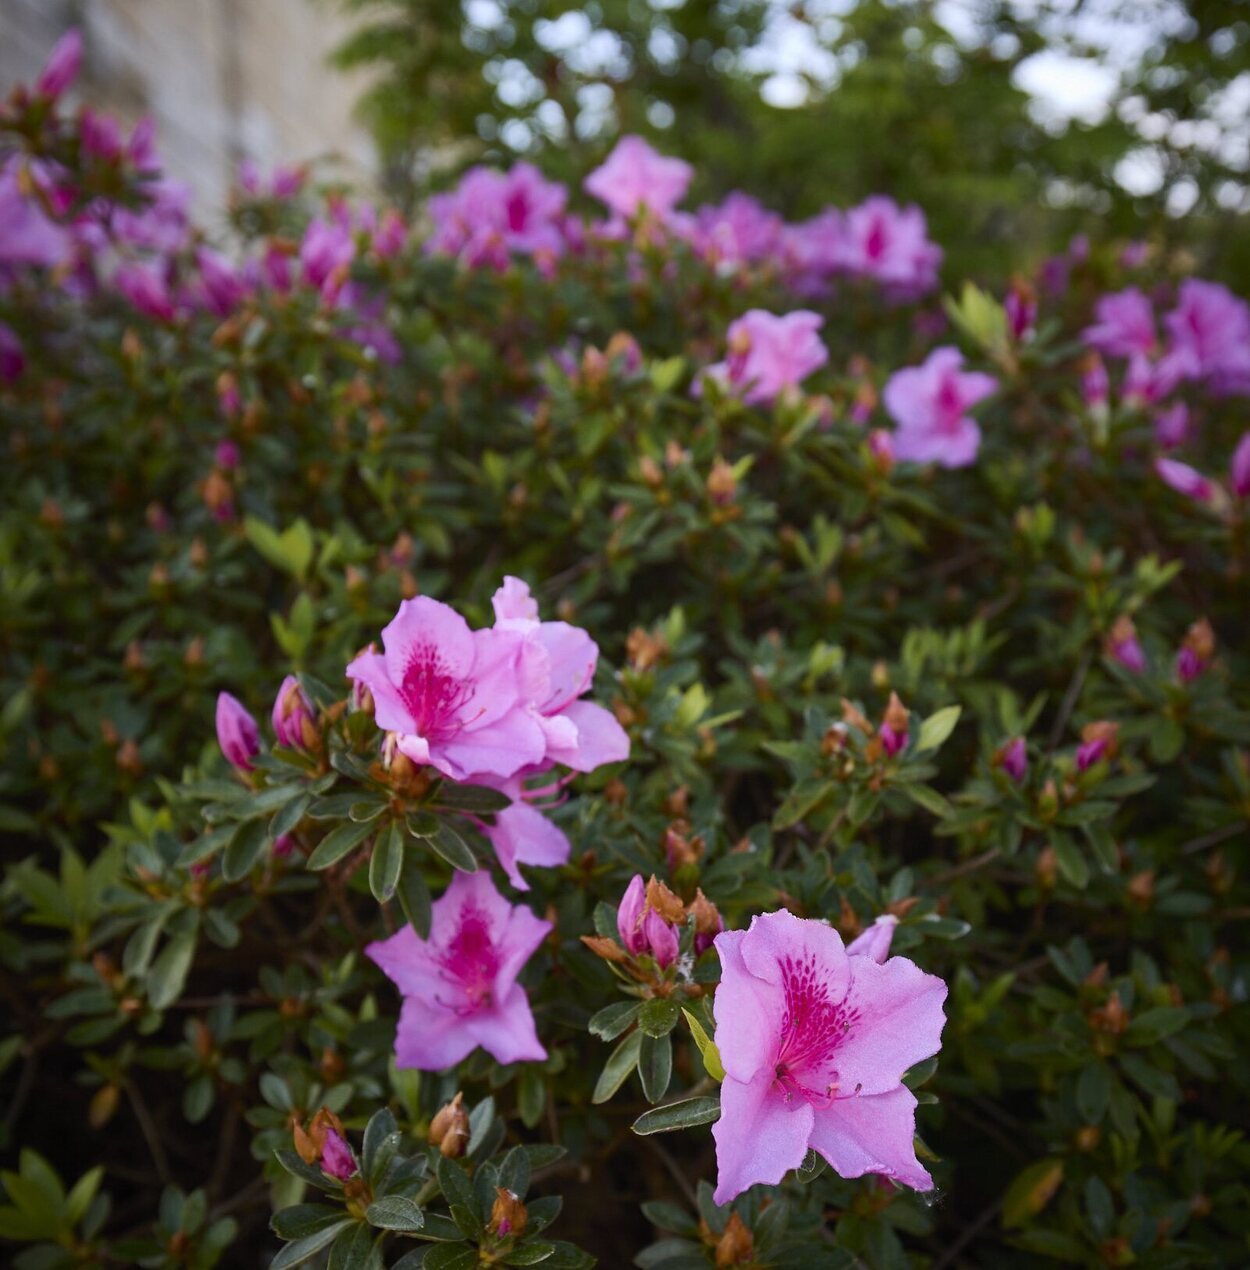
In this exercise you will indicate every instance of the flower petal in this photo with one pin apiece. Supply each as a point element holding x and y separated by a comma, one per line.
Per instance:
<point>429,1038</point>
<point>872,1135</point>
<point>506,1032</point>
<point>501,748</point>
<point>898,1023</point>
<point>422,623</point>
<point>600,738</point>
<point>760,1136</point>
<point>748,1010</point>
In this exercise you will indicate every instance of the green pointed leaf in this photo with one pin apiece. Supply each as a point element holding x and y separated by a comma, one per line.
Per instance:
<point>453,848</point>
<point>937,728</point>
<point>707,1048</point>
<point>337,843</point>
<point>616,1070</point>
<point>386,862</point>
<point>678,1115</point>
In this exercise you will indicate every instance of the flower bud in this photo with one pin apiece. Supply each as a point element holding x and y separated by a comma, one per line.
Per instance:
<point>62,66</point>
<point>1196,651</point>
<point>1013,758</point>
<point>876,940</point>
<point>1124,647</point>
<point>508,1216</point>
<point>292,718</point>
<point>736,1245</point>
<point>449,1130</point>
<point>894,726</point>
<point>336,1157</point>
<point>237,733</point>
<point>1098,741</point>
<point>708,922</point>
<point>722,484</point>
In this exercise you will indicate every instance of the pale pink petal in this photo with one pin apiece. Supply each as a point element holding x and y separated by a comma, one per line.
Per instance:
<point>600,738</point>
<point>404,959</point>
<point>414,747</point>
<point>876,940</point>
<point>425,624</point>
<point>779,945</point>
<point>747,1010</point>
<point>572,656</point>
<point>514,605</point>
<point>429,1038</point>
<point>760,1136</point>
<point>501,748</point>
<point>871,1135</point>
<point>495,678</point>
<point>897,1021</point>
<point>907,397</point>
<point>507,1031</point>
<point>521,835</point>
<point>517,942</point>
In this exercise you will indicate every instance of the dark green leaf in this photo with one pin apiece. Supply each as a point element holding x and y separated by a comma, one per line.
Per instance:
<point>678,1115</point>
<point>337,843</point>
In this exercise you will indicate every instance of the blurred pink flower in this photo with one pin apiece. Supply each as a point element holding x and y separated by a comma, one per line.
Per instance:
<point>770,354</point>
<point>460,987</point>
<point>237,733</point>
<point>1125,324</point>
<point>930,404</point>
<point>634,176</point>
<point>1185,480</point>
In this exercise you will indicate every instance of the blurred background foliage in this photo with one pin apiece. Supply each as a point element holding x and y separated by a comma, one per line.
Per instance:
<point>829,101</point>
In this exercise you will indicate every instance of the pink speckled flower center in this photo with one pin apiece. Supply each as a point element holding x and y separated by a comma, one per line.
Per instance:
<point>432,696</point>
<point>517,207</point>
<point>875,243</point>
<point>812,1029</point>
<point>471,959</point>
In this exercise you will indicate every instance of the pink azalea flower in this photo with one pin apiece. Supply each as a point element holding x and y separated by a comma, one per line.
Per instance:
<point>739,231</point>
<point>1239,468</point>
<point>815,1043</point>
<point>237,733</point>
<point>891,244</point>
<point>326,255</point>
<point>635,176</point>
<point>1210,334</point>
<point>770,354</point>
<point>930,404</point>
<point>492,214</point>
<point>62,66</point>
<point>453,696</point>
<point>813,251</point>
<point>29,237</point>
<point>145,289</point>
<point>222,285</point>
<point>460,986</point>
<point>1125,324</point>
<point>1185,480</point>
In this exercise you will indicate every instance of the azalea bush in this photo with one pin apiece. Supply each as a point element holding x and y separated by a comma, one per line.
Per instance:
<point>571,728</point>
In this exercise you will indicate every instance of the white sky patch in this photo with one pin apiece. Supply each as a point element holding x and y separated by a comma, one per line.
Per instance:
<point>1067,88</point>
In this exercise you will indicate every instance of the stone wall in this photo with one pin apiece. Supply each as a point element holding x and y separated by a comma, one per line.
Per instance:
<point>223,79</point>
